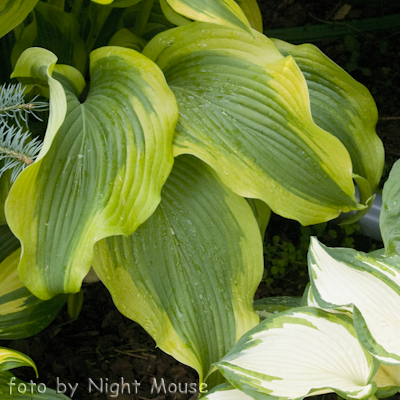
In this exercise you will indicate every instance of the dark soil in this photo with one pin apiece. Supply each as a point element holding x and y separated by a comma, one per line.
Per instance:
<point>102,344</point>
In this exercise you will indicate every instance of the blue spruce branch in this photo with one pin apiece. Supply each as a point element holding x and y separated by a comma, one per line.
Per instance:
<point>17,150</point>
<point>13,105</point>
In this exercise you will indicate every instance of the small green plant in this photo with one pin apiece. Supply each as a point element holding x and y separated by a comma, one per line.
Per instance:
<point>285,254</point>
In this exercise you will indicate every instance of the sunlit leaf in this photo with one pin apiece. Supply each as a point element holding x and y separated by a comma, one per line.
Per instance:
<point>301,352</point>
<point>223,12</point>
<point>21,313</point>
<point>244,109</point>
<point>34,69</point>
<point>102,175</point>
<point>371,286</point>
<point>189,273</point>
<point>343,107</point>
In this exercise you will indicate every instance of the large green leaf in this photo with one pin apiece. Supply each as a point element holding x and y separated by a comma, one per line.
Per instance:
<point>13,12</point>
<point>189,273</point>
<point>301,352</point>
<point>57,31</point>
<point>389,220</point>
<point>244,109</point>
<point>343,107</point>
<point>21,313</point>
<point>103,174</point>
<point>371,286</point>
<point>224,12</point>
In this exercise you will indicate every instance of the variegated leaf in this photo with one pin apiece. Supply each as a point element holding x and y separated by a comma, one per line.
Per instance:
<point>343,107</point>
<point>189,273</point>
<point>21,313</point>
<point>223,12</point>
<point>103,173</point>
<point>370,286</point>
<point>244,109</point>
<point>10,359</point>
<point>301,352</point>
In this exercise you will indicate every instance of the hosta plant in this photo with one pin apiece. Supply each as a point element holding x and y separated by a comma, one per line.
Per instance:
<point>345,337</point>
<point>174,128</point>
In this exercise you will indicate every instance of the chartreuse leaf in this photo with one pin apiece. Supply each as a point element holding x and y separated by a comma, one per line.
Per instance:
<point>341,106</point>
<point>189,273</point>
<point>298,353</point>
<point>226,392</point>
<point>261,212</point>
<point>10,359</point>
<point>389,220</point>
<point>370,285</point>
<point>34,68</point>
<point>244,109</point>
<point>21,313</point>
<point>103,174</point>
<point>13,12</point>
<point>222,12</point>
<point>252,12</point>
<point>57,31</point>
<point>13,388</point>
<point>388,380</point>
